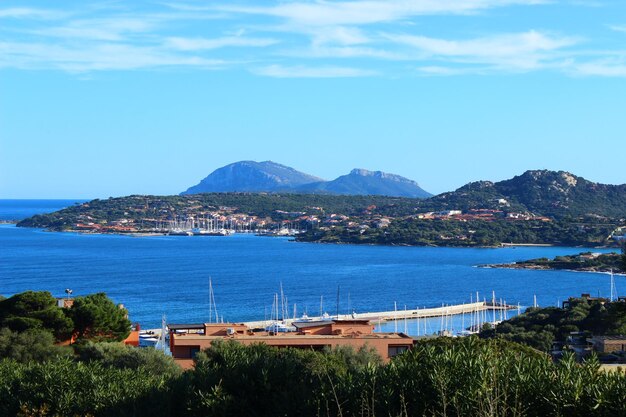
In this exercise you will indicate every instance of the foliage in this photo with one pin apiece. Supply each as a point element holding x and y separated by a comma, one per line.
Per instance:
<point>30,345</point>
<point>438,377</point>
<point>96,317</point>
<point>68,388</point>
<point>122,356</point>
<point>35,310</point>
<point>467,233</point>
<point>624,256</point>
<point>540,327</point>
<point>581,262</point>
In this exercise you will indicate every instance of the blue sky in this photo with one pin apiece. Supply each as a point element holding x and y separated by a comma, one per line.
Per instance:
<point>112,98</point>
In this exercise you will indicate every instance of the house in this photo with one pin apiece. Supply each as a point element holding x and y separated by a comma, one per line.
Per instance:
<point>608,344</point>
<point>188,339</point>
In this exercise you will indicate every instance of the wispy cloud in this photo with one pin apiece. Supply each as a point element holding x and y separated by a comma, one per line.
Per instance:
<point>310,38</point>
<point>29,13</point>
<point>105,29</point>
<point>279,71</point>
<point>99,58</point>
<point>618,28</point>
<point>196,44</point>
<point>603,68</point>
<point>360,12</point>
<point>523,51</point>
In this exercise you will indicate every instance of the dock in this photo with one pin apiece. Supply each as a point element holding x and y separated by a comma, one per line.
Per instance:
<point>418,313</point>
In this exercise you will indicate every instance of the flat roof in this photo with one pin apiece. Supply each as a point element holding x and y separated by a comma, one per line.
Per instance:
<point>185,326</point>
<point>295,336</point>
<point>617,337</point>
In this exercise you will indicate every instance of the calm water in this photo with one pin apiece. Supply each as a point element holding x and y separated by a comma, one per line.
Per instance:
<point>169,275</point>
<point>21,209</point>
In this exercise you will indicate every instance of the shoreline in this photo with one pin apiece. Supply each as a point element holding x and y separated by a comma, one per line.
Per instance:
<point>417,245</point>
<point>539,268</point>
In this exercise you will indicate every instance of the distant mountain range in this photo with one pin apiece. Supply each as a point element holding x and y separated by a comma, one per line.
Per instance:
<point>268,176</point>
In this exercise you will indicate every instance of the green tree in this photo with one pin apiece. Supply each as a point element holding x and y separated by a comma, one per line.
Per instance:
<point>35,310</point>
<point>30,345</point>
<point>97,318</point>
<point>624,256</point>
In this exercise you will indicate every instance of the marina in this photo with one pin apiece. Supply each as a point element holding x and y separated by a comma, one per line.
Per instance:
<point>475,309</point>
<point>169,275</point>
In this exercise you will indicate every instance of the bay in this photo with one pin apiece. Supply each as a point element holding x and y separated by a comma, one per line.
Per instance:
<point>169,275</point>
<point>22,209</point>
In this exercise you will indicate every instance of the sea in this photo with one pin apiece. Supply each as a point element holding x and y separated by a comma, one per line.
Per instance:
<point>168,276</point>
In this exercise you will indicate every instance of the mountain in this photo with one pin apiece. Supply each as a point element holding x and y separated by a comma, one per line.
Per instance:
<point>272,177</point>
<point>364,182</point>
<point>252,176</point>
<point>552,193</point>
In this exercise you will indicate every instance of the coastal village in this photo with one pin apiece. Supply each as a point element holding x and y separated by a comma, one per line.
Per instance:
<point>193,219</point>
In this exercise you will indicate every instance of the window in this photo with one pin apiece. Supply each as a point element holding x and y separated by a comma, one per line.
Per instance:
<point>396,350</point>
<point>193,350</point>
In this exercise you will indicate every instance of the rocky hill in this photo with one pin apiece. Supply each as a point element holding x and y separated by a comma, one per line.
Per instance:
<point>250,176</point>
<point>549,193</point>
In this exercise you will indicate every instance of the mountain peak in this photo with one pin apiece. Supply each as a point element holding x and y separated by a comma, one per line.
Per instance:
<point>252,176</point>
<point>268,176</point>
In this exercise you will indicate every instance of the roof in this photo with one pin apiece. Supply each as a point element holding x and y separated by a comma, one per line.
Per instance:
<point>185,326</point>
<point>295,336</point>
<point>317,323</point>
<point>618,337</point>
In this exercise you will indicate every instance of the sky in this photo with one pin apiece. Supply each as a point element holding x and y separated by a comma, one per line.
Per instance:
<point>113,98</point>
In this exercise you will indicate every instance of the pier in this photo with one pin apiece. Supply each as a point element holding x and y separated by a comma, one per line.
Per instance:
<point>418,313</point>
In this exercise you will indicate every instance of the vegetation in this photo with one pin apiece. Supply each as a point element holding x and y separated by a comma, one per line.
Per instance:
<point>35,310</point>
<point>438,377</point>
<point>468,376</point>
<point>540,327</point>
<point>553,215</point>
<point>96,317</point>
<point>30,345</point>
<point>468,233</point>
<point>263,205</point>
<point>585,261</point>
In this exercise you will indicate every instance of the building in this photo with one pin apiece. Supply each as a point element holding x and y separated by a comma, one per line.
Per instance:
<point>608,344</point>
<point>188,339</point>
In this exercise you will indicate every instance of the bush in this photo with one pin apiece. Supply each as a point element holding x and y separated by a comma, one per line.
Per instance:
<point>31,345</point>
<point>121,356</point>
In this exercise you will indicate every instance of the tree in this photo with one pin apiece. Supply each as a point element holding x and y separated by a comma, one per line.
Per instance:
<point>30,345</point>
<point>97,318</point>
<point>624,256</point>
<point>35,310</point>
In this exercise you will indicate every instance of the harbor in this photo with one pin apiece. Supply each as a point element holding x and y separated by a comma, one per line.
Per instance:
<point>474,309</point>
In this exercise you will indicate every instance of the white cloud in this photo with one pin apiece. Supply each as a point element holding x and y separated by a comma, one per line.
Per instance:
<point>29,13</point>
<point>618,28</point>
<point>196,44</point>
<point>339,35</point>
<point>100,57</point>
<point>604,68</point>
<point>337,13</point>
<point>522,51</point>
<point>438,70</point>
<point>279,71</point>
<point>105,29</point>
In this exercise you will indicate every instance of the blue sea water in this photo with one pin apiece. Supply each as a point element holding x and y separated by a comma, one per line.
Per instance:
<point>169,275</point>
<point>21,209</point>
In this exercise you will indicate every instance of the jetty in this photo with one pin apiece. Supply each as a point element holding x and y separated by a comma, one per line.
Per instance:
<point>418,313</point>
